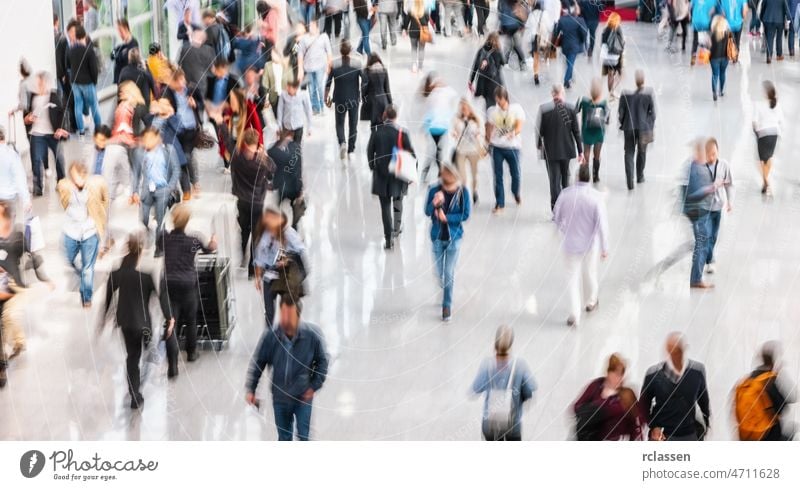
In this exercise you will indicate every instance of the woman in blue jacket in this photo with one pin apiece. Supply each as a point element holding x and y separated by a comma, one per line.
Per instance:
<point>701,22</point>
<point>449,205</point>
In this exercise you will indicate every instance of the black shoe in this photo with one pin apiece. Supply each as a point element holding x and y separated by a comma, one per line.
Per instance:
<point>640,180</point>
<point>474,198</point>
<point>446,315</point>
<point>536,80</point>
<point>172,372</point>
<point>158,253</point>
<point>38,193</point>
<point>3,378</point>
<point>715,96</point>
<point>397,231</point>
<point>389,245</point>
<point>192,356</point>
<point>137,402</point>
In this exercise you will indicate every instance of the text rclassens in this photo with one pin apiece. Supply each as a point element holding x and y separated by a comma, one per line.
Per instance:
<point>65,461</point>
<point>655,457</point>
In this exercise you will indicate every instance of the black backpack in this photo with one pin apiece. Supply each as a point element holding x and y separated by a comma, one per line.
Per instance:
<point>588,420</point>
<point>614,42</point>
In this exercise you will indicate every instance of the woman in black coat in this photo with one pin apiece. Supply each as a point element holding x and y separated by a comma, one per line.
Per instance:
<point>376,92</point>
<point>389,189</point>
<point>487,70</point>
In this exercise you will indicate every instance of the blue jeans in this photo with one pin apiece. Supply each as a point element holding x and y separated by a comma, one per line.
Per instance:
<point>718,68</point>
<point>570,65</point>
<point>316,84</point>
<point>510,155</point>
<point>701,229</point>
<point>39,154</point>
<point>714,219</point>
<point>157,200</point>
<point>309,12</point>
<point>85,96</point>
<point>445,254</point>
<point>363,46</point>
<point>287,413</point>
<point>88,250</point>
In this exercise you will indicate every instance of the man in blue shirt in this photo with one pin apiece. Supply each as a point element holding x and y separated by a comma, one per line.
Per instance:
<point>154,177</point>
<point>701,22</point>
<point>101,137</point>
<point>295,350</point>
<point>735,11</point>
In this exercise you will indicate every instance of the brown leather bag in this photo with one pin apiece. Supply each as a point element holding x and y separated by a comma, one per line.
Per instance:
<point>733,52</point>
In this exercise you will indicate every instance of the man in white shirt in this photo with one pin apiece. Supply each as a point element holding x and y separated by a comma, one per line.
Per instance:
<point>294,110</point>
<point>720,173</point>
<point>13,183</point>
<point>503,128</point>
<point>317,61</point>
<point>581,217</point>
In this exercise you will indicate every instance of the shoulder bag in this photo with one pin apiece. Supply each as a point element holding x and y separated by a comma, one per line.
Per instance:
<point>403,164</point>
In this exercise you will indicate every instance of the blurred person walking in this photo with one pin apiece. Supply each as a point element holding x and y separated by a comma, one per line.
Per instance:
<point>387,16</point>
<point>503,136</point>
<point>679,12</point>
<point>280,262</point>
<point>580,215</point>
<point>84,69</point>
<point>287,181</point>
<point>468,134</point>
<point>389,189</point>
<point>294,111</point>
<point>295,350</point>
<point>761,400</point>
<point>486,75</point>
<point>376,92</point>
<point>448,205</point>
<point>671,392</point>
<point>701,23</point>
<point>317,61</point>
<point>179,283</point>
<point>722,198</point>
<point>767,125</point>
<point>700,190</point>
<point>13,179</point>
<point>719,55</point>
<point>418,30</point>
<point>84,197</point>
<point>511,16</point>
<point>558,138</point>
<point>47,124</point>
<point>607,410</point>
<point>613,48</point>
<point>121,52</point>
<point>441,106</point>
<point>637,119</point>
<point>508,384</point>
<point>570,33</point>
<point>595,116</point>
<point>347,78</point>
<point>774,14</point>
<point>136,289</point>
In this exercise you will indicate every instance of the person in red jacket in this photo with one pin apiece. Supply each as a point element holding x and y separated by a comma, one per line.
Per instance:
<point>607,410</point>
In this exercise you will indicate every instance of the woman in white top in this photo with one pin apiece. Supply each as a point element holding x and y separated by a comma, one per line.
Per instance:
<point>468,137</point>
<point>767,126</point>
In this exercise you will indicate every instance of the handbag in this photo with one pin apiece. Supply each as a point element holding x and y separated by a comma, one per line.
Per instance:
<point>733,52</point>
<point>290,278</point>
<point>607,58</point>
<point>34,237</point>
<point>500,405</point>
<point>455,148</point>
<point>203,140</point>
<point>403,164</point>
<point>425,35</point>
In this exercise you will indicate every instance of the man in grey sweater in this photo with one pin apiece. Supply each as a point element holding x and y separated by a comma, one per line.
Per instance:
<point>295,350</point>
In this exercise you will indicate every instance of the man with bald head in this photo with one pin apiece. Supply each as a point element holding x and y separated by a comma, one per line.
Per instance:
<point>671,393</point>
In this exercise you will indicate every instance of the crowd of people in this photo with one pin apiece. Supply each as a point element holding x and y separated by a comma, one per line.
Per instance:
<point>253,92</point>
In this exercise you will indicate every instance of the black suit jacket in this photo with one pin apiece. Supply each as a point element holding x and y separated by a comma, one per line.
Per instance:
<point>59,118</point>
<point>232,84</point>
<point>83,64</point>
<point>346,79</point>
<point>380,148</point>
<point>135,290</point>
<point>558,132</point>
<point>637,111</point>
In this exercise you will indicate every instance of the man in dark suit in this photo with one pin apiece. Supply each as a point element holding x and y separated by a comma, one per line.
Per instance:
<point>774,14</point>
<point>558,137</point>
<point>346,98</point>
<point>389,189</point>
<point>63,43</point>
<point>637,118</point>
<point>572,31</point>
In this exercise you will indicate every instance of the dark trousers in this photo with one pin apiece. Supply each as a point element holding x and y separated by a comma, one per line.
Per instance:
<point>298,135</point>
<point>183,305</point>
<point>351,111</point>
<point>482,12</point>
<point>391,206</point>
<point>791,40</point>
<point>714,220</point>
<point>634,144</point>
<point>333,24</point>
<point>467,12</point>
<point>774,34</point>
<point>188,173</point>
<point>39,155</point>
<point>695,40</point>
<point>248,214</point>
<point>592,26</point>
<point>270,299</point>
<point>134,337</point>
<point>558,173</point>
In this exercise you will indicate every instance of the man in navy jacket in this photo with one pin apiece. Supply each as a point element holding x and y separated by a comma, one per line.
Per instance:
<point>774,14</point>
<point>295,350</point>
<point>572,31</point>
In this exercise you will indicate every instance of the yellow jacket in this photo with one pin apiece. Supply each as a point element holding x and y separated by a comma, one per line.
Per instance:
<point>97,205</point>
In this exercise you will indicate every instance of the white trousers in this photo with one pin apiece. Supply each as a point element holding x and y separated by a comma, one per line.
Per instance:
<point>582,280</point>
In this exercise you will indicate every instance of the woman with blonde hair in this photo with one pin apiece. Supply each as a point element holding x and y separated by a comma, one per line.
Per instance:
<point>607,410</point>
<point>613,45</point>
<point>418,32</point>
<point>468,134</point>
<point>720,37</point>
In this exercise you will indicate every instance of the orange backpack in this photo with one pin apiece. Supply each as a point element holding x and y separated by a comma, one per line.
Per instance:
<point>753,406</point>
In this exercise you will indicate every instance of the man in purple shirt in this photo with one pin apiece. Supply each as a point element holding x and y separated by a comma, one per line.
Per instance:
<point>581,217</point>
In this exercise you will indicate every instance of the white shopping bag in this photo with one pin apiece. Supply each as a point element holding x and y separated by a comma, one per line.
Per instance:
<point>34,235</point>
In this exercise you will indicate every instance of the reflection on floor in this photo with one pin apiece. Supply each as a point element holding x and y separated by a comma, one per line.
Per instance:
<point>397,372</point>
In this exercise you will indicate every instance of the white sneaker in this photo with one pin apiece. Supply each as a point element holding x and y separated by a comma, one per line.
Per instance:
<point>343,151</point>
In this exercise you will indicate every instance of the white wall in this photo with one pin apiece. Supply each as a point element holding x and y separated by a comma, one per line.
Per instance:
<point>26,30</point>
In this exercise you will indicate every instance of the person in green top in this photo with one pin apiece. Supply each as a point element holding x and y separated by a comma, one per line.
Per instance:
<point>595,114</point>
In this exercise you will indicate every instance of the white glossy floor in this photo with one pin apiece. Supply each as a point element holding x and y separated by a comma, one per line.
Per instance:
<point>397,372</point>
